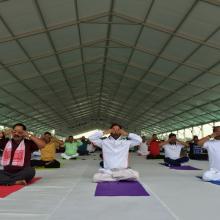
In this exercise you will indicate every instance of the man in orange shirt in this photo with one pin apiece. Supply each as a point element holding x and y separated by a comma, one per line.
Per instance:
<point>154,148</point>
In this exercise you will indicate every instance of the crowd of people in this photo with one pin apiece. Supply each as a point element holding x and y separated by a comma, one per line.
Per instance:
<point>17,147</point>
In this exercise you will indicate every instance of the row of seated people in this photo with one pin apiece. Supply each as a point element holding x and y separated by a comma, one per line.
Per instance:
<point>153,149</point>
<point>71,148</point>
<point>16,157</point>
<point>115,150</point>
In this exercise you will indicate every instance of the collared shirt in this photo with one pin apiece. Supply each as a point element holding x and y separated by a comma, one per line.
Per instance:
<point>71,147</point>
<point>115,152</point>
<point>48,153</point>
<point>172,151</point>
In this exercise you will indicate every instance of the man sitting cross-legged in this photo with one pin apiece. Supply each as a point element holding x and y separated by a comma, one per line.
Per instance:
<point>172,148</point>
<point>16,156</point>
<point>71,145</point>
<point>213,147</point>
<point>115,150</point>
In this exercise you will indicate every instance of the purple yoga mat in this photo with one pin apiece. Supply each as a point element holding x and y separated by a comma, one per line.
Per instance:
<point>184,167</point>
<point>121,188</point>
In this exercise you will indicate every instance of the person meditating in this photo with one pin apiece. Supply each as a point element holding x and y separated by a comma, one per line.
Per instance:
<point>115,150</point>
<point>172,148</point>
<point>48,153</point>
<point>71,145</point>
<point>213,148</point>
<point>17,155</point>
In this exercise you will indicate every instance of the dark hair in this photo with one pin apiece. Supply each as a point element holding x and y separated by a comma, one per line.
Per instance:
<point>70,136</point>
<point>195,136</point>
<point>21,125</point>
<point>154,135</point>
<point>172,135</point>
<point>47,132</point>
<point>215,128</point>
<point>3,133</point>
<point>116,124</point>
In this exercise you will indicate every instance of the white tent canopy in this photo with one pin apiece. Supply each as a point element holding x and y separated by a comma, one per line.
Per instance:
<point>77,65</point>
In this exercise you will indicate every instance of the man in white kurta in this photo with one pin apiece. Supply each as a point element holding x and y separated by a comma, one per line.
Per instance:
<point>115,151</point>
<point>213,148</point>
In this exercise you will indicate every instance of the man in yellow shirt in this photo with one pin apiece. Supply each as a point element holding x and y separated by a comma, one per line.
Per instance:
<point>48,153</point>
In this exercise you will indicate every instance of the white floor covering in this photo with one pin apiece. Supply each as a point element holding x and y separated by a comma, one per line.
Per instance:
<point>68,193</point>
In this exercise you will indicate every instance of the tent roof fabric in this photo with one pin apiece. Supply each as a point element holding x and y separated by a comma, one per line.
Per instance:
<point>75,65</point>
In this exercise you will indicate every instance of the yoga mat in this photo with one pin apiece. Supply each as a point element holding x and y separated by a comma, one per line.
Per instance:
<point>120,188</point>
<point>216,182</point>
<point>183,167</point>
<point>7,190</point>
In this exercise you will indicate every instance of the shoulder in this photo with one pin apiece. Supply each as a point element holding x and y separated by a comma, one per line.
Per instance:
<point>180,145</point>
<point>166,145</point>
<point>30,143</point>
<point>212,142</point>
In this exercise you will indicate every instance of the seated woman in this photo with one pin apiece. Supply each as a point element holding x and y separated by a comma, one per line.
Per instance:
<point>154,148</point>
<point>48,153</point>
<point>115,150</point>
<point>196,152</point>
<point>71,146</point>
<point>172,149</point>
<point>213,147</point>
<point>143,148</point>
<point>17,154</point>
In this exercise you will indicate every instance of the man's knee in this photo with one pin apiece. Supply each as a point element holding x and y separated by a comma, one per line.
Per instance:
<point>102,177</point>
<point>29,173</point>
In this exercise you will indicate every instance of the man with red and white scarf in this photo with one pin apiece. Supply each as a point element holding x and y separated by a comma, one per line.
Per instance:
<point>17,155</point>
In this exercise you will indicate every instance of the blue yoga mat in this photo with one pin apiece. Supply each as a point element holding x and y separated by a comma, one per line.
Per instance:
<point>216,182</point>
<point>120,188</point>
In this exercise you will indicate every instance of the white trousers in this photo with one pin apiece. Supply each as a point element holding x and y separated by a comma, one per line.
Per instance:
<point>63,155</point>
<point>211,174</point>
<point>105,175</point>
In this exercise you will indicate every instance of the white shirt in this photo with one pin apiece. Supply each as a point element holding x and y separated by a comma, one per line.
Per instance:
<point>172,150</point>
<point>213,147</point>
<point>115,152</point>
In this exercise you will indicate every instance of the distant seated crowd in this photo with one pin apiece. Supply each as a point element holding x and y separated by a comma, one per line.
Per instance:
<point>17,147</point>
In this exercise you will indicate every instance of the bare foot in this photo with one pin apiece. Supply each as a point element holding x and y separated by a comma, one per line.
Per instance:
<point>21,182</point>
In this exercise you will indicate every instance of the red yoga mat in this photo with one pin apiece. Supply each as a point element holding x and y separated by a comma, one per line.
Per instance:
<point>7,190</point>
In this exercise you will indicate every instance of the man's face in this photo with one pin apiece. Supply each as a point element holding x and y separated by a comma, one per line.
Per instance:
<point>173,139</point>
<point>217,132</point>
<point>116,130</point>
<point>195,140</point>
<point>154,137</point>
<point>47,138</point>
<point>71,139</point>
<point>18,133</point>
